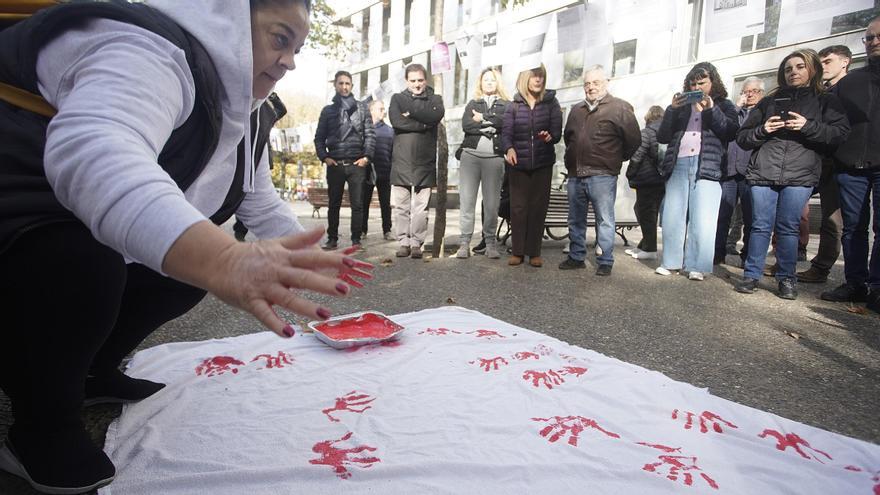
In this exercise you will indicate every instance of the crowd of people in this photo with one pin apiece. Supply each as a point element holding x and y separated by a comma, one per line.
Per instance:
<point>693,166</point>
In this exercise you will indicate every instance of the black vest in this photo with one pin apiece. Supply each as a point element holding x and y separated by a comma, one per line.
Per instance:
<point>26,199</point>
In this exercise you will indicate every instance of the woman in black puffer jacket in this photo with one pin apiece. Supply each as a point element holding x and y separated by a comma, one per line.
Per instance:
<point>532,126</point>
<point>788,131</point>
<point>644,176</point>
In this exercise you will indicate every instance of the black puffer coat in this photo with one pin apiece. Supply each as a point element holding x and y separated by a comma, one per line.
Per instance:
<point>643,169</point>
<point>522,125</point>
<point>414,158</point>
<point>719,127</point>
<point>359,143</point>
<point>792,158</point>
<point>859,93</point>
<point>473,131</point>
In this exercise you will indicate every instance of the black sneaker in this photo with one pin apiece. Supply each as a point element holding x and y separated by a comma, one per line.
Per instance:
<point>873,300</point>
<point>747,286</point>
<point>115,387</point>
<point>330,245</point>
<point>788,289</point>
<point>603,270</point>
<point>846,293</point>
<point>570,264</point>
<point>480,248</point>
<point>57,460</point>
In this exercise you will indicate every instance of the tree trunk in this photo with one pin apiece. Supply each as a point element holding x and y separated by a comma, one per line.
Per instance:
<point>442,148</point>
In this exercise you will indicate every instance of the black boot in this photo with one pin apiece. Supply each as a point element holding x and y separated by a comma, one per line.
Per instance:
<point>788,289</point>
<point>115,387</point>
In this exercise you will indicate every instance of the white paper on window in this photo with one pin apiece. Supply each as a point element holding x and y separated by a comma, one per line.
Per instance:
<point>728,19</point>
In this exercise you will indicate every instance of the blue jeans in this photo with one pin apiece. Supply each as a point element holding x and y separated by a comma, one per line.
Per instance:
<point>733,190</point>
<point>775,208</point>
<point>856,187</point>
<point>601,190</point>
<point>690,216</point>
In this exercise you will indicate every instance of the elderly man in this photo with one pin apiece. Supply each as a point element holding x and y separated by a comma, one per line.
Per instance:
<point>601,133</point>
<point>733,184</point>
<point>857,163</point>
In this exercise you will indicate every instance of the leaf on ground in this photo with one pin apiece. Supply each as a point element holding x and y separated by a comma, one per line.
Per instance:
<point>856,309</point>
<point>386,262</point>
<point>450,300</point>
<point>793,335</point>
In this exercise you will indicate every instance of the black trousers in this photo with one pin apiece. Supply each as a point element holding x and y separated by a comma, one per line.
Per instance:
<point>337,177</point>
<point>529,199</point>
<point>383,189</point>
<point>72,306</point>
<point>647,210</point>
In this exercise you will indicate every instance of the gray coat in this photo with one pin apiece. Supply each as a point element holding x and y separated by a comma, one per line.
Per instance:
<point>414,157</point>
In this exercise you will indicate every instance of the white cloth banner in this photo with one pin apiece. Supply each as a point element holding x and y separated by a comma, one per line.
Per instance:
<point>461,404</point>
<point>726,19</point>
<point>570,29</point>
<point>599,48</point>
<point>525,42</point>
<point>806,19</point>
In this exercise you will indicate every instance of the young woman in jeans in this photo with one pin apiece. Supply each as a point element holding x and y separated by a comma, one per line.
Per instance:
<point>788,130</point>
<point>697,135</point>
<point>482,160</point>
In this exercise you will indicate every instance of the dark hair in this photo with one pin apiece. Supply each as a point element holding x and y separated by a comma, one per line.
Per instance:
<point>415,68</point>
<point>342,73</point>
<point>839,50</point>
<point>654,114</point>
<point>814,68</point>
<point>256,4</point>
<point>703,70</point>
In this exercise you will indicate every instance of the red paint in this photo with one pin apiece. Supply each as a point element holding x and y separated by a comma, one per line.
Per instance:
<point>706,418</point>
<point>439,331</point>
<point>853,468</point>
<point>569,425</point>
<point>547,378</point>
<point>367,325</point>
<point>488,334</point>
<point>488,364</point>
<point>794,441</point>
<point>573,370</point>
<point>522,356</point>
<point>277,361</point>
<point>218,365</point>
<point>876,479</point>
<point>368,347</point>
<point>339,458</point>
<point>348,402</point>
<point>679,465</point>
<point>662,448</point>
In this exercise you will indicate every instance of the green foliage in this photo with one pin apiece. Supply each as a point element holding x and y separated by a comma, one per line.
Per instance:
<point>289,173</point>
<point>324,35</point>
<point>512,3</point>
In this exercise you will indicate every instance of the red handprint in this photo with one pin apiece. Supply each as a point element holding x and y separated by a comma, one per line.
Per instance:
<point>547,378</point>
<point>522,356</point>
<point>338,458</point>
<point>677,465</point>
<point>277,361</point>
<point>438,331</point>
<point>218,365</point>
<point>876,479</point>
<point>488,334</point>
<point>488,364</point>
<point>573,370</point>
<point>543,350</point>
<point>570,425</point>
<point>348,403</point>
<point>705,417</point>
<point>792,440</point>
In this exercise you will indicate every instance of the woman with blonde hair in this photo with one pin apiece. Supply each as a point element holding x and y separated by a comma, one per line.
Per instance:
<point>787,132</point>
<point>532,126</point>
<point>482,160</point>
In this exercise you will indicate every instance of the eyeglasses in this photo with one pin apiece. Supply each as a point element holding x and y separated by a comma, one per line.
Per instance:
<point>751,91</point>
<point>869,38</point>
<point>597,84</point>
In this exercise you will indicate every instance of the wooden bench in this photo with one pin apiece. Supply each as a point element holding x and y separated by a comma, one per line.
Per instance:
<point>319,198</point>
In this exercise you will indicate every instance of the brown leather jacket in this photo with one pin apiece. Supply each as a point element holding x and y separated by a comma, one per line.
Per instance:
<point>597,142</point>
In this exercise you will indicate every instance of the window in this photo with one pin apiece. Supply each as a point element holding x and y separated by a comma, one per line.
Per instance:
<point>431,18</point>
<point>386,20</point>
<point>624,58</point>
<point>572,66</point>
<point>383,73</point>
<point>460,93</point>
<point>363,85</point>
<point>365,34</point>
<point>459,14</point>
<point>407,17</point>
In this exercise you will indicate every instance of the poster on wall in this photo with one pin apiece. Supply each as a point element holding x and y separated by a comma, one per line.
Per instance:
<point>732,19</point>
<point>661,14</point>
<point>806,19</point>
<point>469,50</point>
<point>570,29</point>
<point>440,61</point>
<point>599,47</point>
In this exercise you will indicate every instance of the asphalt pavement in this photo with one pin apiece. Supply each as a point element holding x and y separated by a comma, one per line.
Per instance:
<point>807,360</point>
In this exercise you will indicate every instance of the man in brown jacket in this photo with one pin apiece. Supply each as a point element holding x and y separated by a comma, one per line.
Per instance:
<point>601,133</point>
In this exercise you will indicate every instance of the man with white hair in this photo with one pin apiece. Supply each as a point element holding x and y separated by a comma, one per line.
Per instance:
<point>601,133</point>
<point>733,184</point>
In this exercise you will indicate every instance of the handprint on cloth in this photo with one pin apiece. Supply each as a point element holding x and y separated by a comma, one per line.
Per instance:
<point>277,361</point>
<point>792,440</point>
<point>218,365</point>
<point>492,363</point>
<point>339,458</point>
<point>522,356</point>
<point>550,378</point>
<point>675,466</point>
<point>438,331</point>
<point>489,334</point>
<point>349,402</point>
<point>570,425</point>
<point>706,418</point>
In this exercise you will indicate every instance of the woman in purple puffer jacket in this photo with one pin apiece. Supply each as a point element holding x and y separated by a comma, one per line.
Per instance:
<point>532,126</point>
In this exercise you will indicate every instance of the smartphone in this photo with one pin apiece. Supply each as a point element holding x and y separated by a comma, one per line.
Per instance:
<point>693,96</point>
<point>782,106</point>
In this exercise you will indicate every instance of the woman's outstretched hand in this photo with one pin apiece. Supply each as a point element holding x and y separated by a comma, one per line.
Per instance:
<point>255,276</point>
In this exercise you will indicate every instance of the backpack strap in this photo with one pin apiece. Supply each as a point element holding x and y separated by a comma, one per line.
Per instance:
<point>26,100</point>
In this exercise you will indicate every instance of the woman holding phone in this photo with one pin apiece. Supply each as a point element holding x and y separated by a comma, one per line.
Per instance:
<point>787,131</point>
<point>697,127</point>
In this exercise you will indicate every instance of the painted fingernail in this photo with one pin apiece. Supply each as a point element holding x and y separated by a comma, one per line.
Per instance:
<point>323,313</point>
<point>289,331</point>
<point>342,288</point>
<point>349,262</point>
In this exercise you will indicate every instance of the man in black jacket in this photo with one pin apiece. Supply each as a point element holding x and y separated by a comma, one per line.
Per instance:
<point>381,168</point>
<point>858,167</point>
<point>344,141</point>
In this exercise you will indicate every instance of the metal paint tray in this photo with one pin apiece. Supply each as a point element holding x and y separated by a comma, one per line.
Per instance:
<point>329,331</point>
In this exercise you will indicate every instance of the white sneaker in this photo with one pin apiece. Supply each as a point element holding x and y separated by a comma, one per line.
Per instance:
<point>662,271</point>
<point>492,252</point>
<point>566,248</point>
<point>598,250</point>
<point>695,276</point>
<point>632,251</point>
<point>464,251</point>
<point>645,255</point>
